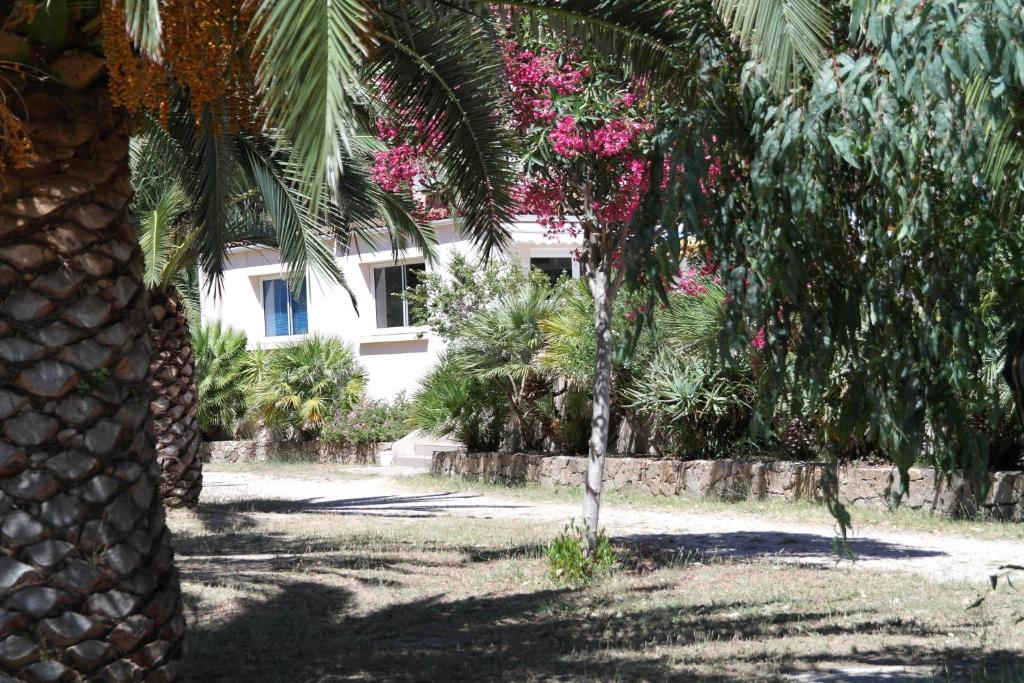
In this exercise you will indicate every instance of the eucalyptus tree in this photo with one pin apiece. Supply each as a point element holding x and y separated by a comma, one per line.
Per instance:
<point>93,591</point>
<point>879,229</point>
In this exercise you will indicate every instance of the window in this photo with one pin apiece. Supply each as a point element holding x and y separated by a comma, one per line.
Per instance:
<point>552,266</point>
<point>389,284</point>
<point>284,312</point>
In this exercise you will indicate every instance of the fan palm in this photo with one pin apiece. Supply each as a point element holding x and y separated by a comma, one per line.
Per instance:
<point>221,362</point>
<point>499,346</point>
<point>306,382</point>
<point>73,307</point>
<point>449,402</point>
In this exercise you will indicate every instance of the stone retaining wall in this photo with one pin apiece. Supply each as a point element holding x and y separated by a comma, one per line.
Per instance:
<point>306,451</point>
<point>859,485</point>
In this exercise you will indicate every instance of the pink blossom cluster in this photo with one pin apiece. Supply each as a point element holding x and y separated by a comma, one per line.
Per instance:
<point>539,80</point>
<point>413,140</point>
<point>611,139</point>
<point>692,281</point>
<point>758,341</point>
<point>395,168</point>
<point>545,199</point>
<point>606,141</point>
<point>535,78</point>
<point>566,139</point>
<point>623,201</point>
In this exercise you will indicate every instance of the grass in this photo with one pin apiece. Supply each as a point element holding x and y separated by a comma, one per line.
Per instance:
<point>276,595</point>
<point>806,512</point>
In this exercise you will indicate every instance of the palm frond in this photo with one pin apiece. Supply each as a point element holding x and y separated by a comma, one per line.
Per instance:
<point>186,284</point>
<point>692,322</point>
<point>786,36</point>
<point>448,71</point>
<point>364,206</point>
<point>299,235</point>
<point>156,233</point>
<point>142,19</point>
<point>311,55</point>
<point>656,38</point>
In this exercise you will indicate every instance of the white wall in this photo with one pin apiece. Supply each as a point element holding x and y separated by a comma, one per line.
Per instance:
<point>395,358</point>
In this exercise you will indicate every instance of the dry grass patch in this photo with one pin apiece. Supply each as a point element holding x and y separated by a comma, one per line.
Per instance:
<point>275,595</point>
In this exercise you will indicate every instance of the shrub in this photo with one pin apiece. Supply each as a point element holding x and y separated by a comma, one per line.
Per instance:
<point>498,346</point>
<point>568,560</point>
<point>369,422</point>
<point>220,359</point>
<point>455,404</point>
<point>694,408</point>
<point>446,302</point>
<point>300,385</point>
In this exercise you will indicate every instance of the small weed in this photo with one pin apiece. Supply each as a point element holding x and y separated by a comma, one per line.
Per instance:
<point>568,559</point>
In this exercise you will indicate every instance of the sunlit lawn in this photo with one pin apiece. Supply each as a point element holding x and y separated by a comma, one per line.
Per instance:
<point>291,596</point>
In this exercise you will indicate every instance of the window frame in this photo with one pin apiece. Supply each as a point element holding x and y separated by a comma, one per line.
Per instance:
<point>291,313</point>
<point>575,271</point>
<point>404,264</point>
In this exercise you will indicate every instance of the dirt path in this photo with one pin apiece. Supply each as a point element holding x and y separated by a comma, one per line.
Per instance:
<point>372,491</point>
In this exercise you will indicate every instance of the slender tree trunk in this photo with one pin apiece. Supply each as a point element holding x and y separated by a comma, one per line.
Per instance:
<point>88,587</point>
<point>602,292</point>
<point>175,404</point>
<point>1013,369</point>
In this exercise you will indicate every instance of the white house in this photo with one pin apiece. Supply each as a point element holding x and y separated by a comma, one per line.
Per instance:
<point>254,298</point>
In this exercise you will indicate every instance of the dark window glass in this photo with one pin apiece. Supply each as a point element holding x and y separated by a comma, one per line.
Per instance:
<point>300,318</point>
<point>553,267</point>
<point>389,283</point>
<point>412,278</point>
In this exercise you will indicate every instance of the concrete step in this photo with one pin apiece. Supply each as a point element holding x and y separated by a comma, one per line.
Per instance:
<point>417,449</point>
<point>418,461</point>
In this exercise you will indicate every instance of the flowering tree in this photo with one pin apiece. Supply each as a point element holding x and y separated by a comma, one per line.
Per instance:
<point>595,165</point>
<point>588,131</point>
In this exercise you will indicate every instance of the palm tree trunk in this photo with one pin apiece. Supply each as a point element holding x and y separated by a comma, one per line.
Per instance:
<point>88,587</point>
<point>175,404</point>
<point>602,291</point>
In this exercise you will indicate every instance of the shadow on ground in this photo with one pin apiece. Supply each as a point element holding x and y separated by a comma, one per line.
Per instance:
<point>231,517</point>
<point>672,549</point>
<point>414,506</point>
<point>298,630</point>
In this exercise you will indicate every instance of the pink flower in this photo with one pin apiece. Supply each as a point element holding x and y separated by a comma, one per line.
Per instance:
<point>630,186</point>
<point>759,340</point>
<point>395,168</point>
<point>611,139</point>
<point>566,140</point>
<point>545,199</point>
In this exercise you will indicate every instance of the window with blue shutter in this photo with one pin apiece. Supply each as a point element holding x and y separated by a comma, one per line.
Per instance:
<point>284,312</point>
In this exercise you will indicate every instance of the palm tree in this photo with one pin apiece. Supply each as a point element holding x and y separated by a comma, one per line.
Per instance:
<point>306,382</point>
<point>92,591</point>
<point>498,346</point>
<point>167,169</point>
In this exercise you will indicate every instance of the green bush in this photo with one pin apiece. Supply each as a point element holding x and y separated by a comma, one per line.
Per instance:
<point>568,560</point>
<point>694,408</point>
<point>449,301</point>
<point>298,387</point>
<point>369,422</point>
<point>221,362</point>
<point>452,403</point>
